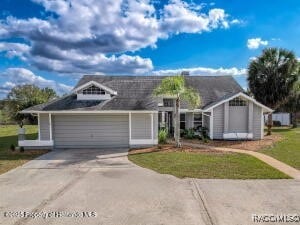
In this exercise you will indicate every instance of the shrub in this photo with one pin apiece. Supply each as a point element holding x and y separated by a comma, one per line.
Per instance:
<point>162,136</point>
<point>204,132</point>
<point>276,123</point>
<point>190,133</point>
<point>12,147</point>
<point>22,149</point>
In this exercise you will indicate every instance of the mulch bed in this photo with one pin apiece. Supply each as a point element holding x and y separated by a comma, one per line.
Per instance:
<point>268,141</point>
<point>256,145</point>
<point>172,148</point>
<point>29,152</point>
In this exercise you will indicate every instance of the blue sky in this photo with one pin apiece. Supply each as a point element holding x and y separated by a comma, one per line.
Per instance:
<point>53,43</point>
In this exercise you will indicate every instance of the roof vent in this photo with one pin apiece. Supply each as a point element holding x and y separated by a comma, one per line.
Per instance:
<point>185,73</point>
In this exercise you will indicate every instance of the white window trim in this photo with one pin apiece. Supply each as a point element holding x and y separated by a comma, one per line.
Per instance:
<point>194,118</point>
<point>107,89</point>
<point>81,96</point>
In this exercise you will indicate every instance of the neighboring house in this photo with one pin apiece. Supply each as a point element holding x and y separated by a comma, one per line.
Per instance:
<point>121,111</point>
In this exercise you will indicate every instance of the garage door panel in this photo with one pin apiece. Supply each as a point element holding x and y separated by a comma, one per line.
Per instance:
<point>91,131</point>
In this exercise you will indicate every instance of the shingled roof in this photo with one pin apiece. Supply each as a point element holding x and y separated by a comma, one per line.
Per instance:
<point>135,93</point>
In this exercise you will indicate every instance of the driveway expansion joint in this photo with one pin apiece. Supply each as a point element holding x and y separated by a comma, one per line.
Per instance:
<point>203,204</point>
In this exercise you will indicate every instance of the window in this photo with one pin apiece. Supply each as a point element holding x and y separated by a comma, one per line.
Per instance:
<point>197,120</point>
<point>93,90</point>
<point>168,102</point>
<point>182,121</point>
<point>237,102</point>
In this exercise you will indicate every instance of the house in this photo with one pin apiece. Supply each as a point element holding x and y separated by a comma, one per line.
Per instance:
<point>121,111</point>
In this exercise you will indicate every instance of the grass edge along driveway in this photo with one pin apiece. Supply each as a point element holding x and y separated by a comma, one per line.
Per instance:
<point>207,165</point>
<point>8,135</point>
<point>287,150</point>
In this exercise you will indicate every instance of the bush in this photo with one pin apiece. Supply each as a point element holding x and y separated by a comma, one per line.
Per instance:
<point>190,133</point>
<point>276,123</point>
<point>162,136</point>
<point>22,149</point>
<point>204,132</point>
<point>12,147</point>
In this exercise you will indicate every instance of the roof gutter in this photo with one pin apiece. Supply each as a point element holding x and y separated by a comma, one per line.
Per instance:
<point>89,112</point>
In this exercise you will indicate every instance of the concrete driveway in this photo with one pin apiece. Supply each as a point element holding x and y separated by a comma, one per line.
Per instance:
<point>119,192</point>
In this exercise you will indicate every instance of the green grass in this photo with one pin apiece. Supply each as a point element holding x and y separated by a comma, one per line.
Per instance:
<point>8,136</point>
<point>206,165</point>
<point>287,150</point>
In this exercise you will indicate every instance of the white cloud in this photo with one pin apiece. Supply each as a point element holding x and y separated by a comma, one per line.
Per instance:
<point>14,49</point>
<point>21,76</point>
<point>84,35</point>
<point>203,71</point>
<point>255,43</point>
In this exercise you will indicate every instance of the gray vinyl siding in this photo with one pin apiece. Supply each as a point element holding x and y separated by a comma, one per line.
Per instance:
<point>257,116</point>
<point>141,126</point>
<point>91,131</point>
<point>44,127</point>
<point>238,119</point>
<point>218,122</point>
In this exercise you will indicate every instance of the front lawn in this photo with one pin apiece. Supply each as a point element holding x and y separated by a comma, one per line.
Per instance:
<point>287,150</point>
<point>8,136</point>
<point>206,165</point>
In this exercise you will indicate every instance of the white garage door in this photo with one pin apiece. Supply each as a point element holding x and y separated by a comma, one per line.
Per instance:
<point>90,131</point>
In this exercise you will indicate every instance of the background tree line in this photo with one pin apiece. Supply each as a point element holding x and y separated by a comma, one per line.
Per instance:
<point>22,97</point>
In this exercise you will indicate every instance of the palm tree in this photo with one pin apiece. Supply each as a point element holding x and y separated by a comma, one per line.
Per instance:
<point>271,77</point>
<point>175,87</point>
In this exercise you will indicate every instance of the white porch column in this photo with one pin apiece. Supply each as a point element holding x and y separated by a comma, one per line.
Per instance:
<point>39,127</point>
<point>211,125</point>
<point>226,117</point>
<point>50,126</point>
<point>129,128</point>
<point>250,117</point>
<point>152,130</point>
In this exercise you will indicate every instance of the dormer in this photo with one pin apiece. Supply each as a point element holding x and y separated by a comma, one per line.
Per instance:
<point>93,90</point>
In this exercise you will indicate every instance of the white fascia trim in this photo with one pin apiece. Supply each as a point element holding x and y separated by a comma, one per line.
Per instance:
<point>266,109</point>
<point>191,110</point>
<point>35,143</point>
<point>143,142</point>
<point>236,136</point>
<point>96,84</point>
<point>90,112</point>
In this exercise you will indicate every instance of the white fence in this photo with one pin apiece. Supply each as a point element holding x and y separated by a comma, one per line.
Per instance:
<point>284,118</point>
